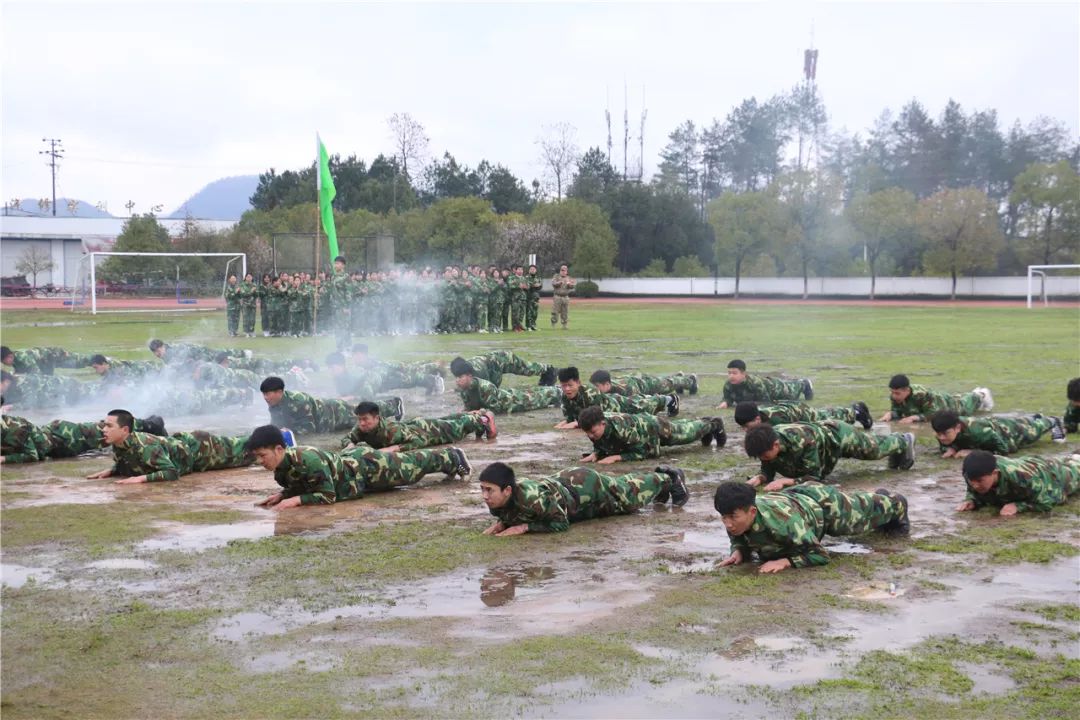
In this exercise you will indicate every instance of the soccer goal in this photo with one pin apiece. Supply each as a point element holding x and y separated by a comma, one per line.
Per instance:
<point>134,281</point>
<point>1052,283</point>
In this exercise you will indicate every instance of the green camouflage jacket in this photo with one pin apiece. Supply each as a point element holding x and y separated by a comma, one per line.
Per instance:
<point>1033,483</point>
<point>609,403</point>
<point>996,435</point>
<point>385,434</point>
<point>303,413</point>
<point>483,395</point>
<point>545,505</point>
<point>758,388</point>
<point>923,402</point>
<point>786,526</point>
<point>21,441</point>
<point>807,450</point>
<point>159,458</point>
<point>319,477</point>
<point>632,437</point>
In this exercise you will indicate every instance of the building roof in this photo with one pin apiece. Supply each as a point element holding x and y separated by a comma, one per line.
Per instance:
<point>101,229</point>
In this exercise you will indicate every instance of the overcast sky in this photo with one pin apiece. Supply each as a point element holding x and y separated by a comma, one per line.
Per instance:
<point>155,100</point>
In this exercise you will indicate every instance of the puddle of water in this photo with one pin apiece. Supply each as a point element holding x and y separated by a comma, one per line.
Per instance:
<point>204,537</point>
<point>122,564</point>
<point>544,439</point>
<point>16,576</point>
<point>237,627</point>
<point>63,494</point>
<point>847,548</point>
<point>715,541</point>
<point>777,644</point>
<point>986,680</point>
<point>288,660</point>
<point>876,591</point>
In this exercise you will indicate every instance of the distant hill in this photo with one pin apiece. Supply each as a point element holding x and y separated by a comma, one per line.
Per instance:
<point>224,199</point>
<point>30,207</point>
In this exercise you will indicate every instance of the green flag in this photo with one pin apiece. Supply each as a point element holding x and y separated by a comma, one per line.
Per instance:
<point>327,193</point>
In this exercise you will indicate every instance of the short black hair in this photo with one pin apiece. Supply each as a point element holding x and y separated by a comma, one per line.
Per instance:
<point>759,439</point>
<point>340,259</point>
<point>738,365</point>
<point>360,348</point>
<point>155,344</point>
<point>590,417</point>
<point>264,436</point>
<point>943,420</point>
<point>499,474</point>
<point>600,376</point>
<point>460,366</point>
<point>567,374</point>
<point>899,382</point>
<point>335,358</point>
<point>732,495</point>
<point>366,407</point>
<point>99,359</point>
<point>1073,389</point>
<point>221,356</point>
<point>746,411</point>
<point>979,463</point>
<point>5,351</point>
<point>271,384</point>
<point>123,418</point>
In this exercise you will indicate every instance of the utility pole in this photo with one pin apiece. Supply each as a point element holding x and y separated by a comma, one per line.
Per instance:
<point>55,152</point>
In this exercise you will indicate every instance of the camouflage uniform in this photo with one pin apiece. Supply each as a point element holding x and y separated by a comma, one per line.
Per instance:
<point>560,302</point>
<point>249,298</point>
<point>496,302</point>
<point>784,413</point>
<point>43,360</point>
<point>21,441</point>
<point>339,297</point>
<point>179,454</point>
<point>172,401</point>
<point>518,286</point>
<point>1033,483</point>
<point>811,450</point>
<point>232,308</point>
<point>348,385</point>
<point>263,294</point>
<point>637,437</point>
<point>762,388</point>
<point>999,435</point>
<point>1071,418</point>
<point>586,396</point>
<point>550,504</point>
<point>532,300</point>
<point>924,402</point>
<point>493,365</point>
<point>791,524</point>
<point>482,395</point>
<point>319,477</point>
<point>183,353</point>
<point>642,384</point>
<point>34,391</point>
<point>303,413</point>
<point>418,433</point>
<point>212,375</point>
<point>390,375</point>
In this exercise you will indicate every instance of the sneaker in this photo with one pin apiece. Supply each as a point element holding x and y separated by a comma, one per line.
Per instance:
<point>288,437</point>
<point>1057,431</point>
<point>986,398</point>
<point>693,384</point>
<point>900,525</point>
<point>399,407</point>
<point>463,469</point>
<point>673,405</point>
<point>548,376</point>
<point>707,438</point>
<point>808,389</point>
<point>155,425</point>
<point>482,330</point>
<point>440,385</point>
<point>862,414</point>
<point>249,354</point>
<point>679,493</point>
<point>488,418</point>
<point>905,459</point>
<point>719,433</point>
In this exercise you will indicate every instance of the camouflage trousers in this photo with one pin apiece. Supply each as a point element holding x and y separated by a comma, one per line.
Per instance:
<point>216,452</point>
<point>480,313</point>
<point>850,513</point>
<point>232,318</point>
<point>1026,430</point>
<point>682,432</point>
<point>863,445</point>
<point>532,309</point>
<point>633,404</point>
<point>447,429</point>
<point>505,316</point>
<point>406,375</point>
<point>200,402</point>
<point>656,384</point>
<point>560,306</point>
<point>517,310</point>
<point>494,365</point>
<point>495,313</point>
<point>247,312</point>
<point>380,471</point>
<point>516,401</point>
<point>600,495</point>
<point>964,403</point>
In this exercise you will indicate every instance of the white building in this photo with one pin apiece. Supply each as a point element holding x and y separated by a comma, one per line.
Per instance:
<point>67,239</point>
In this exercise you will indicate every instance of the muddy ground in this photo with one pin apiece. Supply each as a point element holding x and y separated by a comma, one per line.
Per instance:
<point>184,599</point>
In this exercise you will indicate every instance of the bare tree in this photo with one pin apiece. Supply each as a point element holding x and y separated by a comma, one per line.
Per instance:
<point>33,261</point>
<point>410,140</point>
<point>559,152</point>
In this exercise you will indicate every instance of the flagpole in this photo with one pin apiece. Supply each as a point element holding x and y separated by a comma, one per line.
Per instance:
<point>318,221</point>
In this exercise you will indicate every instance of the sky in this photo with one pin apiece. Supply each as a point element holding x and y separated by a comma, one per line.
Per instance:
<point>154,100</point>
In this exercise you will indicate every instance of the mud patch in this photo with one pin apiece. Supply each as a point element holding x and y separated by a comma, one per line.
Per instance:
<point>122,564</point>
<point>17,576</point>
<point>194,538</point>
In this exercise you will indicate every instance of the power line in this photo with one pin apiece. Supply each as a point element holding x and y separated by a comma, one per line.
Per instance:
<point>55,152</point>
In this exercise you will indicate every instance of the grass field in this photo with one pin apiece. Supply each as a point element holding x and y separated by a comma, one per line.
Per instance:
<point>184,600</point>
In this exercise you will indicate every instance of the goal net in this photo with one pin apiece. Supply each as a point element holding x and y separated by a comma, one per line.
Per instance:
<point>133,281</point>
<point>1050,281</point>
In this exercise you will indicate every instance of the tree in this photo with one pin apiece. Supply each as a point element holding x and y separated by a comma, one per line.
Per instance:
<point>447,179</point>
<point>656,268</point>
<point>559,152</point>
<point>594,254</point>
<point>962,229</point>
<point>746,148</point>
<point>689,266</point>
<point>33,261</point>
<point>1048,201</point>
<point>504,190</point>
<point>141,233</point>
<point>679,161</point>
<point>806,116</point>
<point>462,228</point>
<point>743,224</point>
<point>572,220</point>
<point>595,177</point>
<point>807,199</point>
<point>410,141</point>
<point>882,220</point>
<point>517,237</point>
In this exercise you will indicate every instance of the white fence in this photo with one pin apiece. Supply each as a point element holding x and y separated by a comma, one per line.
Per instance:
<point>1062,286</point>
